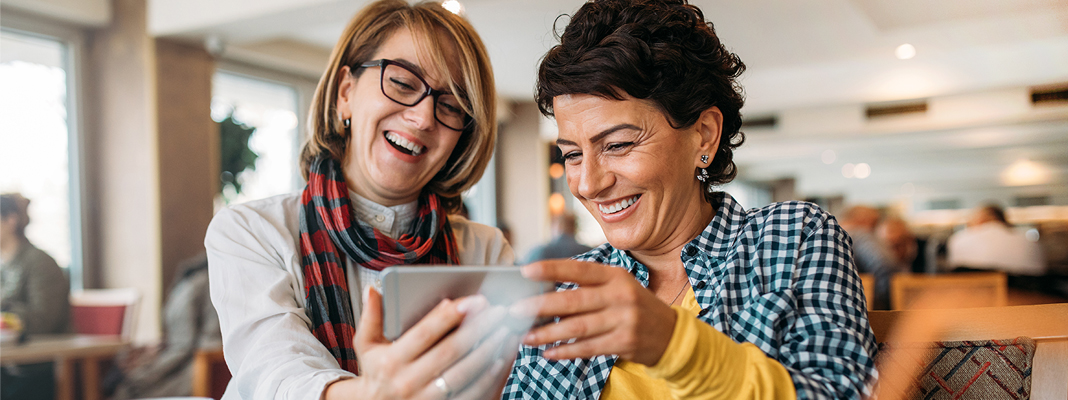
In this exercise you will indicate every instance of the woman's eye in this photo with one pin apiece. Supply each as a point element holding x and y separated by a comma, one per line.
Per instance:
<point>618,146</point>
<point>572,156</point>
<point>401,85</point>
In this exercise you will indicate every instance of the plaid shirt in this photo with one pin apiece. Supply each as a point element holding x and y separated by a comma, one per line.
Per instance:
<point>780,277</point>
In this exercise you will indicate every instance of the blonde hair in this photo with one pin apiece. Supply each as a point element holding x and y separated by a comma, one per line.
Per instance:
<point>468,73</point>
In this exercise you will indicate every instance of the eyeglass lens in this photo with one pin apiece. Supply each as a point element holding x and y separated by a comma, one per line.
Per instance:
<point>407,88</point>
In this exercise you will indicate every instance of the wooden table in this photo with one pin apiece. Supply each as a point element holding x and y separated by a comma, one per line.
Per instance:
<point>64,351</point>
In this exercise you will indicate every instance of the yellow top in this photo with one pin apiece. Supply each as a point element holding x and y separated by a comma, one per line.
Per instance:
<point>701,363</point>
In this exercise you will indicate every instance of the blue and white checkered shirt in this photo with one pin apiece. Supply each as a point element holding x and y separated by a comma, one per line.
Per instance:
<point>780,277</point>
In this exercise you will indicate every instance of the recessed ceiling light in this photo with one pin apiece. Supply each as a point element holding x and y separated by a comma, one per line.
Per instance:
<point>828,156</point>
<point>862,170</point>
<point>905,51</point>
<point>847,170</point>
<point>453,6</point>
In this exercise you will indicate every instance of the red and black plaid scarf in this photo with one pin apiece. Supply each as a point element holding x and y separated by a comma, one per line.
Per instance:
<point>327,223</point>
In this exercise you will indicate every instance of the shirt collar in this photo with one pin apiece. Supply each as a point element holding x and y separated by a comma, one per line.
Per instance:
<point>392,221</point>
<point>715,241</point>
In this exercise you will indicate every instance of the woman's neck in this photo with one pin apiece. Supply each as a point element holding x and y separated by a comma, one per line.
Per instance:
<point>665,262</point>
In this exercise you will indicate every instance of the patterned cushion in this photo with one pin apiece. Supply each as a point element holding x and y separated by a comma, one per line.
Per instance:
<point>986,369</point>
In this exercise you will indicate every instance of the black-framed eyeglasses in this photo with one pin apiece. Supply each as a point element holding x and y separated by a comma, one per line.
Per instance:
<point>407,88</point>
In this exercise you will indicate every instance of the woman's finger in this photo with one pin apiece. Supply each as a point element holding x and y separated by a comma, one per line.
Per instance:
<point>560,304</point>
<point>564,270</point>
<point>446,316</point>
<point>369,330</point>
<point>573,327</point>
<point>588,348</point>
<point>490,382</point>
<point>458,343</point>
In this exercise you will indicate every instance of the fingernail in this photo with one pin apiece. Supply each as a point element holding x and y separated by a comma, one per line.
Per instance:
<point>529,338</point>
<point>520,310</point>
<point>471,303</point>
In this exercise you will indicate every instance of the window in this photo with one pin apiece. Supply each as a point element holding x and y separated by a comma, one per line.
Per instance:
<point>38,155</point>
<point>270,108</point>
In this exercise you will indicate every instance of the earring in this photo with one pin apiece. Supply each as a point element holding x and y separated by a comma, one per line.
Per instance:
<point>704,159</point>
<point>703,175</point>
<point>346,122</point>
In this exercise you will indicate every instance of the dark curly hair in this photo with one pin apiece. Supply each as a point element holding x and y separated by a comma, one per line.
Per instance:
<point>662,51</point>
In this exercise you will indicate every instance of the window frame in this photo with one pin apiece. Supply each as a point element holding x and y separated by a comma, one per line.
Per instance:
<point>73,40</point>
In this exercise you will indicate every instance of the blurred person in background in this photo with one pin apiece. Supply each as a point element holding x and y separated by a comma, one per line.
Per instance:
<point>693,296</point>
<point>896,235</point>
<point>402,123</point>
<point>988,242</point>
<point>871,254</point>
<point>35,289</point>
<point>190,323</point>
<point>563,243</point>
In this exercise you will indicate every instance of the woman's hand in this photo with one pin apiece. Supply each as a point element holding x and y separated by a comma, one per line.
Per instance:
<point>459,341</point>
<point>610,313</point>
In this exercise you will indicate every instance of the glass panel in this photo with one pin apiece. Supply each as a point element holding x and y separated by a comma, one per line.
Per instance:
<point>34,135</point>
<point>270,108</point>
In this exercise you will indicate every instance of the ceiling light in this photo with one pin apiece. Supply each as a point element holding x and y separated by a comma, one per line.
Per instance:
<point>556,170</point>
<point>453,6</point>
<point>847,170</point>
<point>556,204</point>
<point>862,170</point>
<point>905,51</point>
<point>1025,172</point>
<point>828,156</point>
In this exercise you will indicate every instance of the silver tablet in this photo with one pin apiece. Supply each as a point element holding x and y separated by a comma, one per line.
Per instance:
<point>409,293</point>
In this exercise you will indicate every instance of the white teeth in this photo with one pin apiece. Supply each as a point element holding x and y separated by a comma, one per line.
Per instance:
<point>619,206</point>
<point>405,143</point>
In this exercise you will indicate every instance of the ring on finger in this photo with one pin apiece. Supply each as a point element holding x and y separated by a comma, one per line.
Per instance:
<point>443,386</point>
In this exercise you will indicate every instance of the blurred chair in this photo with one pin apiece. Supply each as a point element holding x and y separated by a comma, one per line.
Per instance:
<point>867,280</point>
<point>1008,328</point>
<point>210,373</point>
<point>989,289</point>
<point>105,311</point>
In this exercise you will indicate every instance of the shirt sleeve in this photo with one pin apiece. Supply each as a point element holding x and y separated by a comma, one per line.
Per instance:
<point>703,363</point>
<point>267,339</point>
<point>826,342</point>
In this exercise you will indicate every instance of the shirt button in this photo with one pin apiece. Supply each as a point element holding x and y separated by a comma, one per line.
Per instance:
<point>380,218</point>
<point>691,251</point>
<point>700,284</point>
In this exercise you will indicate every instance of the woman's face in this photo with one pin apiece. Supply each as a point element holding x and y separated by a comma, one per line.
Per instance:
<point>633,171</point>
<point>393,150</point>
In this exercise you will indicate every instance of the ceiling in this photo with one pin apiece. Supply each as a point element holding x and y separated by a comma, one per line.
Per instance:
<point>813,64</point>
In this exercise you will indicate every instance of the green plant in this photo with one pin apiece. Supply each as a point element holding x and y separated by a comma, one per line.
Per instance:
<point>237,157</point>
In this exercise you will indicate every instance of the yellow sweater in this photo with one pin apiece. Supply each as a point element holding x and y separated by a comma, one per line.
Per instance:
<point>701,363</point>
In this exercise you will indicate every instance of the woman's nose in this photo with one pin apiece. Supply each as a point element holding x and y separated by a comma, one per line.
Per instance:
<point>421,115</point>
<point>593,178</point>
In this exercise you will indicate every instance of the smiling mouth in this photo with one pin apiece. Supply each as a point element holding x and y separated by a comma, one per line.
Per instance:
<point>404,145</point>
<point>619,205</point>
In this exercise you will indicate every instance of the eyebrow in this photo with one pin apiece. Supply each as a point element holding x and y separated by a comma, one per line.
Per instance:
<point>598,137</point>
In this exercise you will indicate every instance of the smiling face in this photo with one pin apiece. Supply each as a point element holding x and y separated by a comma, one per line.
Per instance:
<point>634,172</point>
<point>393,150</point>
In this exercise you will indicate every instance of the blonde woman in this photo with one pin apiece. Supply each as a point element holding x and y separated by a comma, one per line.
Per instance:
<point>403,121</point>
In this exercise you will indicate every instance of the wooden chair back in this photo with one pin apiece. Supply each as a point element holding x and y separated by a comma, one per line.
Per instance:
<point>990,289</point>
<point>210,373</point>
<point>1047,324</point>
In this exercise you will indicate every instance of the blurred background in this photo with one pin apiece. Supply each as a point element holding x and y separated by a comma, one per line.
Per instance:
<point>128,122</point>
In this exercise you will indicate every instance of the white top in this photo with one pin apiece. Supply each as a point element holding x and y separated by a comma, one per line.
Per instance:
<point>258,289</point>
<point>995,246</point>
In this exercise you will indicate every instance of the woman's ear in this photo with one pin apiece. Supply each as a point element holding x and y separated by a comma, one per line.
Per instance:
<point>709,127</point>
<point>345,85</point>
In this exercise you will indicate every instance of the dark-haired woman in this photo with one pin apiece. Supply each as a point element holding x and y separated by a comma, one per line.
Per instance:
<point>403,121</point>
<point>693,296</point>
